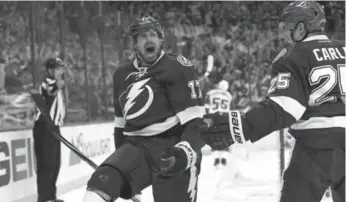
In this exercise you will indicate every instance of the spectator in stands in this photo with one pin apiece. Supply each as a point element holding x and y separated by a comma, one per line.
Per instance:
<point>239,30</point>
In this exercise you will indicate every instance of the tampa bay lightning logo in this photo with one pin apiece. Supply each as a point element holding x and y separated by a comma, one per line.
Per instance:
<point>137,99</point>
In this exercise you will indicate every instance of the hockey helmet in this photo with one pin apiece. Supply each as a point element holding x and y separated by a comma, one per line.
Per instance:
<point>53,63</point>
<point>310,13</point>
<point>223,85</point>
<point>145,24</point>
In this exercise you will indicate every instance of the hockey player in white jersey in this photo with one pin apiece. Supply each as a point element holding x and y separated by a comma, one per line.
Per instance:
<point>219,101</point>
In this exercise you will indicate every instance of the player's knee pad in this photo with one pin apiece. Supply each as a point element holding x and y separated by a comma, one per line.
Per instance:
<point>107,182</point>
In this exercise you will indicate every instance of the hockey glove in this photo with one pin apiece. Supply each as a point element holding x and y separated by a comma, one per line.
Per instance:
<point>216,131</point>
<point>177,159</point>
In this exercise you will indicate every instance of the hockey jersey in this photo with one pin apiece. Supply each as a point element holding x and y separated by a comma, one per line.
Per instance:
<point>218,101</point>
<point>306,94</point>
<point>151,100</point>
<point>54,100</point>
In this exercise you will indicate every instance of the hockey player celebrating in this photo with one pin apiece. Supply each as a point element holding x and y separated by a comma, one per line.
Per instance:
<point>158,109</point>
<point>306,94</point>
<point>219,101</point>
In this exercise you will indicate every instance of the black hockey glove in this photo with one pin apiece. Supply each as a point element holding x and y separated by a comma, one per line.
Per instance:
<point>177,159</point>
<point>216,131</point>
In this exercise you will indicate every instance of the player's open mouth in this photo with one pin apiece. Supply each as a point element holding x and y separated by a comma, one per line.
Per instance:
<point>150,48</point>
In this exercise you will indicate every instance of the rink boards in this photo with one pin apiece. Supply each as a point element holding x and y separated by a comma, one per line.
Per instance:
<point>17,159</point>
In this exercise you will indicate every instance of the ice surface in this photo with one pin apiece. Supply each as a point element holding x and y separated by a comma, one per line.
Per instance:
<point>252,178</point>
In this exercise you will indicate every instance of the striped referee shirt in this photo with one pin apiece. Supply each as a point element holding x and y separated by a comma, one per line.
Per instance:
<point>54,99</point>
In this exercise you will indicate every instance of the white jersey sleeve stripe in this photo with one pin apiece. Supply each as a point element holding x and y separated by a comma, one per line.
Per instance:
<point>320,122</point>
<point>191,113</point>
<point>290,105</point>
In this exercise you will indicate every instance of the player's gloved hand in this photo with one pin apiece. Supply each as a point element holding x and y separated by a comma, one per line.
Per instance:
<point>177,159</point>
<point>215,131</point>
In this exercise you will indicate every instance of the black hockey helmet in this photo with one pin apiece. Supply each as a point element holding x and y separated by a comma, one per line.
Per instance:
<point>53,63</point>
<point>145,24</point>
<point>310,13</point>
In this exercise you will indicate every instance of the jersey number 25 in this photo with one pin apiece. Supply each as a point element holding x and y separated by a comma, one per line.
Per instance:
<point>331,77</point>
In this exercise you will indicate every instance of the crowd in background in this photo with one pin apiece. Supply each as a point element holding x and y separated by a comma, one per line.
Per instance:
<point>93,39</point>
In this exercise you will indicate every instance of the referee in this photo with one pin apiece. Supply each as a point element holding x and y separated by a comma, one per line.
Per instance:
<point>47,147</point>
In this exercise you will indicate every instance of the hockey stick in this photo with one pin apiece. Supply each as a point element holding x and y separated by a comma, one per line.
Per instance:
<point>42,106</point>
<point>210,65</point>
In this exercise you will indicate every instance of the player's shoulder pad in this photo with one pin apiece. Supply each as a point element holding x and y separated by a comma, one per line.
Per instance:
<point>178,68</point>
<point>284,53</point>
<point>211,91</point>
<point>183,61</point>
<point>228,94</point>
<point>119,70</point>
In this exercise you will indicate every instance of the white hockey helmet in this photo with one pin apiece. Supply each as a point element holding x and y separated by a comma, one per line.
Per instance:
<point>223,85</point>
